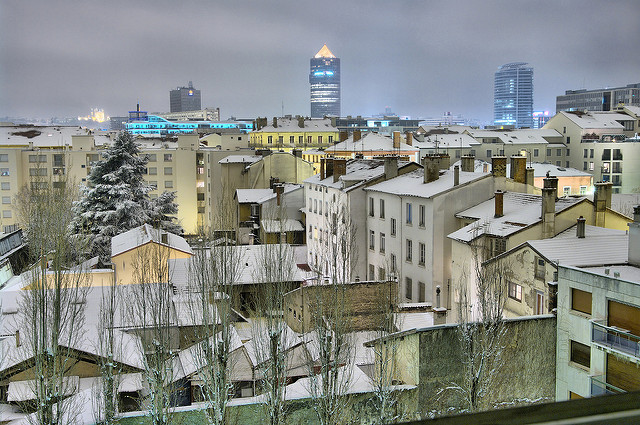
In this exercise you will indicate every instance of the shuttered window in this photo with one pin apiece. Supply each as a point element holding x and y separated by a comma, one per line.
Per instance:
<point>581,301</point>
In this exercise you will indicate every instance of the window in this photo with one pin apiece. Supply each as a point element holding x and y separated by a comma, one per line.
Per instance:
<point>559,163</point>
<point>292,139</point>
<point>4,157</point>
<point>151,157</point>
<point>320,207</point>
<point>580,354</point>
<point>584,166</point>
<point>488,153</point>
<point>393,227</point>
<point>168,171</point>
<point>37,158</point>
<point>168,184</point>
<point>515,291</point>
<point>472,152</point>
<point>5,186</point>
<point>617,155</point>
<point>6,199</point>
<point>536,152</point>
<point>371,211</point>
<point>372,272</point>
<point>539,268</point>
<point>409,250</point>
<point>168,157</point>
<point>422,253</point>
<point>393,262</point>
<point>583,190</point>
<point>606,154</point>
<point>32,172</point>
<point>269,139</point>
<point>381,208</point>
<point>499,245</point>
<point>408,288</point>
<point>372,240</point>
<point>381,274</point>
<point>548,151</point>
<point>585,153</point>
<point>564,130</point>
<point>567,152</point>
<point>6,213</point>
<point>568,141</point>
<point>580,301</point>
<point>154,185</point>
<point>326,209</point>
<point>309,139</point>
<point>421,214</point>
<point>58,160</point>
<point>330,139</point>
<point>315,206</point>
<point>153,171</point>
<point>300,139</point>
<point>559,152</point>
<point>280,140</point>
<point>5,171</point>
<point>590,153</point>
<point>591,166</point>
<point>382,244</point>
<point>319,139</point>
<point>422,292</point>
<point>458,153</point>
<point>408,213</point>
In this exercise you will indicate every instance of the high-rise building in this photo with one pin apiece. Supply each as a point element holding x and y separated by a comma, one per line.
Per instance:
<point>513,95</point>
<point>185,99</point>
<point>324,78</point>
<point>598,99</point>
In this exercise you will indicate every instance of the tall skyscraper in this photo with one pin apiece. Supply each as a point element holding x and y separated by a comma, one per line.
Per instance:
<point>185,99</point>
<point>513,95</point>
<point>324,78</point>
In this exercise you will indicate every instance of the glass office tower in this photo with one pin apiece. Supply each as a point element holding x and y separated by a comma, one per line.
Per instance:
<point>324,78</point>
<point>513,95</point>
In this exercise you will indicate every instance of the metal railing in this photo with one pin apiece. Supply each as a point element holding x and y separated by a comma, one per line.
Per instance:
<point>615,338</point>
<point>599,386</point>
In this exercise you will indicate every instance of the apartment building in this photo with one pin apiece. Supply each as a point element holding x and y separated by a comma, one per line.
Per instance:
<point>337,193</point>
<point>372,145</point>
<point>408,220</point>
<point>599,324</point>
<point>289,133</point>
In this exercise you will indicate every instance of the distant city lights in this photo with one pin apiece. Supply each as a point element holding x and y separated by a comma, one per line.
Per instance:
<point>97,115</point>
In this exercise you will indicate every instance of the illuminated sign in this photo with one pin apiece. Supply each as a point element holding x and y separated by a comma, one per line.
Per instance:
<point>329,72</point>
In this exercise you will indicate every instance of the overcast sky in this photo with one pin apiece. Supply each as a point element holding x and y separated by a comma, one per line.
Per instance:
<point>421,58</point>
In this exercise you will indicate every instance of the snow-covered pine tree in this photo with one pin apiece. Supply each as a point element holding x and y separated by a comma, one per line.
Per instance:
<point>117,199</point>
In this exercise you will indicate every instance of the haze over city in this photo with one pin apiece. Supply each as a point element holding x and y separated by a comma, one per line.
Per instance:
<point>420,58</point>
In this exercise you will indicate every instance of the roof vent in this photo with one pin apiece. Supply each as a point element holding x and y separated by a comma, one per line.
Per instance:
<point>616,274</point>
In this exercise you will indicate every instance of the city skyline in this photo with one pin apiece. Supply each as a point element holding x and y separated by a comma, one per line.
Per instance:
<point>250,59</point>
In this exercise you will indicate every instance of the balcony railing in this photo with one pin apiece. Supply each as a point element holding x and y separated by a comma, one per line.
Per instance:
<point>615,338</point>
<point>599,386</point>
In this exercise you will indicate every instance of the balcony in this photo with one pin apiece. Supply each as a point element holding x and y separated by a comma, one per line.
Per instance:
<point>599,386</point>
<point>613,338</point>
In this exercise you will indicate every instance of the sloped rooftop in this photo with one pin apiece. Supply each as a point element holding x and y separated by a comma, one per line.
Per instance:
<point>324,52</point>
<point>370,141</point>
<point>597,120</point>
<point>412,184</point>
<point>358,171</point>
<point>259,196</point>
<point>145,234</point>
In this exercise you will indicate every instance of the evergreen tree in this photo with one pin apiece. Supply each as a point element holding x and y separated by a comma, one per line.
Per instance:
<point>117,199</point>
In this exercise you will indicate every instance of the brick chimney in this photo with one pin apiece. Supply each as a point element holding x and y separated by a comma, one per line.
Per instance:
<point>531,178</point>
<point>499,204</point>
<point>322,165</point>
<point>339,168</point>
<point>499,166</point>
<point>445,161</point>
<point>518,170</point>
<point>356,135</point>
<point>409,138</point>
<point>396,139</point>
<point>328,167</point>
<point>431,165</point>
<point>602,201</point>
<point>634,238</point>
<point>342,136</point>
<point>279,189</point>
<point>549,193</point>
<point>390,167</point>
<point>468,163</point>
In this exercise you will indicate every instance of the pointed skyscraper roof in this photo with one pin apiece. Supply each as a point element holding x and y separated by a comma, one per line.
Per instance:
<point>324,53</point>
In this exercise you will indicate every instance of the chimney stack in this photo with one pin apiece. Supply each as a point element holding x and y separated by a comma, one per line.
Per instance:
<point>634,238</point>
<point>499,166</point>
<point>431,165</point>
<point>468,163</point>
<point>356,135</point>
<point>518,169</point>
<point>580,227</point>
<point>390,167</point>
<point>530,177</point>
<point>602,201</point>
<point>322,176</point>
<point>328,162</point>
<point>396,139</point>
<point>549,193</point>
<point>456,175</point>
<point>279,189</point>
<point>342,136</point>
<point>339,168</point>
<point>275,122</point>
<point>409,136</point>
<point>301,122</point>
<point>499,204</point>
<point>445,161</point>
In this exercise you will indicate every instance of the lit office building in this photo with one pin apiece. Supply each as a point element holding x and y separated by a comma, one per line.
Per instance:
<point>513,95</point>
<point>185,99</point>
<point>599,99</point>
<point>324,78</point>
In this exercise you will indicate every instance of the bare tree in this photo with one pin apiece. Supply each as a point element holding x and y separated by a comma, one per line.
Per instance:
<point>213,272</point>
<point>152,311</point>
<point>330,374</point>
<point>52,306</point>
<point>271,335</point>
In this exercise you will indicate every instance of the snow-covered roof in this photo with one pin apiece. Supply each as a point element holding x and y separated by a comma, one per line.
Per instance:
<point>597,120</point>
<point>412,184</point>
<point>40,136</point>
<point>290,125</point>
<point>600,246</point>
<point>626,272</point>
<point>520,210</point>
<point>515,137</point>
<point>240,159</point>
<point>144,234</point>
<point>259,196</point>
<point>540,169</point>
<point>371,141</point>
<point>284,225</point>
<point>633,109</point>
<point>462,140</point>
<point>358,171</point>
